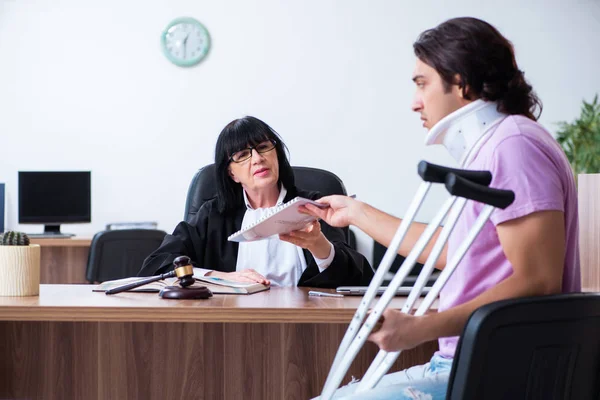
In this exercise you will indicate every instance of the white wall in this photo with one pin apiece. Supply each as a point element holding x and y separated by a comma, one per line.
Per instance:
<point>84,85</point>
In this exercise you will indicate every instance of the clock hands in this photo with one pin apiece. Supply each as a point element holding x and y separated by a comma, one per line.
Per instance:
<point>184,43</point>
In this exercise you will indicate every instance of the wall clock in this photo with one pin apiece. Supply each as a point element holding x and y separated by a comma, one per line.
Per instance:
<point>185,42</point>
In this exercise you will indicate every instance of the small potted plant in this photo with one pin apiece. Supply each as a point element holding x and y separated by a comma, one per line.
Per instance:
<point>19,265</point>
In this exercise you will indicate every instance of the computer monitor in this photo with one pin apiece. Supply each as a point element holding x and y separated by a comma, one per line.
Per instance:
<point>53,198</point>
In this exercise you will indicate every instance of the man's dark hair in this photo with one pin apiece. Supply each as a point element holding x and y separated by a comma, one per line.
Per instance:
<point>485,62</point>
<point>236,136</point>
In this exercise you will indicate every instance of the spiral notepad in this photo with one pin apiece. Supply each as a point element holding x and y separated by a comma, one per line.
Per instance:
<point>282,219</point>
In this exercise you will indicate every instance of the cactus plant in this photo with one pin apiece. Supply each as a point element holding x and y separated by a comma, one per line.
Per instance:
<point>11,238</point>
<point>19,265</point>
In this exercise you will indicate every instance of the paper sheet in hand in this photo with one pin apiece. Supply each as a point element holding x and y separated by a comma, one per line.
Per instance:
<point>283,219</point>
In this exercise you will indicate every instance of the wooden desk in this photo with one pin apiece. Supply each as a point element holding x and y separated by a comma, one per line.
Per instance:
<point>63,260</point>
<point>72,343</point>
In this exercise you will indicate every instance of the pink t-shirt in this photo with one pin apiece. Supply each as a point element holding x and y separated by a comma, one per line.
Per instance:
<point>523,157</point>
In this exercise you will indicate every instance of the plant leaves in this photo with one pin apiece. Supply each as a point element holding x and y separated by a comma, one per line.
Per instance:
<point>580,139</point>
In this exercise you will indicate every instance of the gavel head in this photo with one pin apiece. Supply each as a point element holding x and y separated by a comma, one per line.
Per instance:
<point>184,270</point>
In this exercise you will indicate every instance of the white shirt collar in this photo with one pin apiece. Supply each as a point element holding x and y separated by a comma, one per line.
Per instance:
<point>462,131</point>
<point>282,194</point>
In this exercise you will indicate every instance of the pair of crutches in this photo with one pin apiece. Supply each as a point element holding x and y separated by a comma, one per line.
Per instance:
<point>463,185</point>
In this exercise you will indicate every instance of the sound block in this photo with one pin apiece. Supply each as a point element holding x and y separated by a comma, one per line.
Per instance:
<point>180,293</point>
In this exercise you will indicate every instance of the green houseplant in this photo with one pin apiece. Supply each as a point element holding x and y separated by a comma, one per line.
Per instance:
<point>19,265</point>
<point>580,139</point>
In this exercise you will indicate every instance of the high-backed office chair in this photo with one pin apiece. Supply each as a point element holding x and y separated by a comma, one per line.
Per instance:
<point>203,188</point>
<point>530,348</point>
<point>120,253</point>
<point>378,253</point>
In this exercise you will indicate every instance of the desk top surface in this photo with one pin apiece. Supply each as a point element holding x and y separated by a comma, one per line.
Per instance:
<point>277,305</point>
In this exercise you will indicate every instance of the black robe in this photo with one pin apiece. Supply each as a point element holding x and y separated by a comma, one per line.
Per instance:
<point>204,240</point>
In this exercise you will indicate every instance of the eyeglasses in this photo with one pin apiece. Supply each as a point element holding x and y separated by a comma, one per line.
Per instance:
<point>245,154</point>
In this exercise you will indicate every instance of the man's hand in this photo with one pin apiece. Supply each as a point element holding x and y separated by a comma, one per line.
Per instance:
<point>246,275</point>
<point>340,213</point>
<point>310,238</point>
<point>399,331</point>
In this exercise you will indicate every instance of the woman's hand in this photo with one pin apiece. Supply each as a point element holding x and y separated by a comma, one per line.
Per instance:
<point>341,211</point>
<point>399,331</point>
<point>245,275</point>
<point>310,238</point>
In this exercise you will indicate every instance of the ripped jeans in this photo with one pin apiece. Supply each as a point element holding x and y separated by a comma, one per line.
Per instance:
<point>426,382</point>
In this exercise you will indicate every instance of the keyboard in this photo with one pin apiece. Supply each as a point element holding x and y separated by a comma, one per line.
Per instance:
<point>50,235</point>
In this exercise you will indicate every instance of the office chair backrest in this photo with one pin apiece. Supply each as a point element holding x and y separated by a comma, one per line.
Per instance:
<point>530,348</point>
<point>378,253</point>
<point>203,187</point>
<point>120,253</point>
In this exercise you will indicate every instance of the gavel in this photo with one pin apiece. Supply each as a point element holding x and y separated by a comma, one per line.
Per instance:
<point>183,271</point>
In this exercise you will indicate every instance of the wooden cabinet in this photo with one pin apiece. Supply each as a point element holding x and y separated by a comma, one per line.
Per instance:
<point>63,261</point>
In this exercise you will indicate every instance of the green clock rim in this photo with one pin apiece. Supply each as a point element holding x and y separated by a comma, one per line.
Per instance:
<point>193,61</point>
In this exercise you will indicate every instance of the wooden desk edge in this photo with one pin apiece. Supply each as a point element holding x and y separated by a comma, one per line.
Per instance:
<point>217,315</point>
<point>62,242</point>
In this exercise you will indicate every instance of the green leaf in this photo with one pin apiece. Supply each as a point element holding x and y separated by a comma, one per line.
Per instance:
<point>580,139</point>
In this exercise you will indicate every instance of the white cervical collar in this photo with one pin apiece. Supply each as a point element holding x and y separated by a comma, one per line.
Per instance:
<point>464,130</point>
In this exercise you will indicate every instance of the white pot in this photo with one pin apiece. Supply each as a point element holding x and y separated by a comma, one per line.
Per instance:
<point>20,270</point>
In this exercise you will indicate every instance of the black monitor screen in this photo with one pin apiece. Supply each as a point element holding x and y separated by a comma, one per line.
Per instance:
<point>54,197</point>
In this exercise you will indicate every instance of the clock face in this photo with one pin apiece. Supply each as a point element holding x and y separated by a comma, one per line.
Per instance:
<point>185,42</point>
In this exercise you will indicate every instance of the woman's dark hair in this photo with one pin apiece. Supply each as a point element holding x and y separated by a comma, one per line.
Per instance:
<point>483,59</point>
<point>238,135</point>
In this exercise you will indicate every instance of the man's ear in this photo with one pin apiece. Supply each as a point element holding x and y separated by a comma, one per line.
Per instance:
<point>464,90</point>
<point>235,179</point>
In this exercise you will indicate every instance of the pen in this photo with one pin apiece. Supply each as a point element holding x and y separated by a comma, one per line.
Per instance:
<point>324,294</point>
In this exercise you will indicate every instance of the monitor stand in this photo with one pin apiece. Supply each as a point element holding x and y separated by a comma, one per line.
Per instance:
<point>51,231</point>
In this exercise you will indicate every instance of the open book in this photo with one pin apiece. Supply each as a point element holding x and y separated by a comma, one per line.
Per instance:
<point>216,285</point>
<point>283,219</point>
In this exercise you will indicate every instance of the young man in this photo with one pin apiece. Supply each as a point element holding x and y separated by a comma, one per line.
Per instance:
<point>473,99</point>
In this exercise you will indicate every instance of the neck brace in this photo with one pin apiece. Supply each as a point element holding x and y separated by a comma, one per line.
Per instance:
<point>463,131</point>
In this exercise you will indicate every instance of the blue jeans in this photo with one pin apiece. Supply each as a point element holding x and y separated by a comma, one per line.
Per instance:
<point>427,382</point>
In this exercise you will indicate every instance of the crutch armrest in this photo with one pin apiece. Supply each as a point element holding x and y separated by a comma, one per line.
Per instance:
<point>461,187</point>
<point>437,174</point>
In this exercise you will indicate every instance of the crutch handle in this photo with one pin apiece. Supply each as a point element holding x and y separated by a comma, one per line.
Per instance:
<point>498,198</point>
<point>377,325</point>
<point>437,174</point>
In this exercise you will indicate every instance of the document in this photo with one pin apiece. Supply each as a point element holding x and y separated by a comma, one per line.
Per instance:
<point>216,285</point>
<point>283,219</point>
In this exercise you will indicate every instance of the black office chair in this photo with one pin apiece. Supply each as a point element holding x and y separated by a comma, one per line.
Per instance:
<point>120,253</point>
<point>545,348</point>
<point>203,188</point>
<point>378,253</point>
